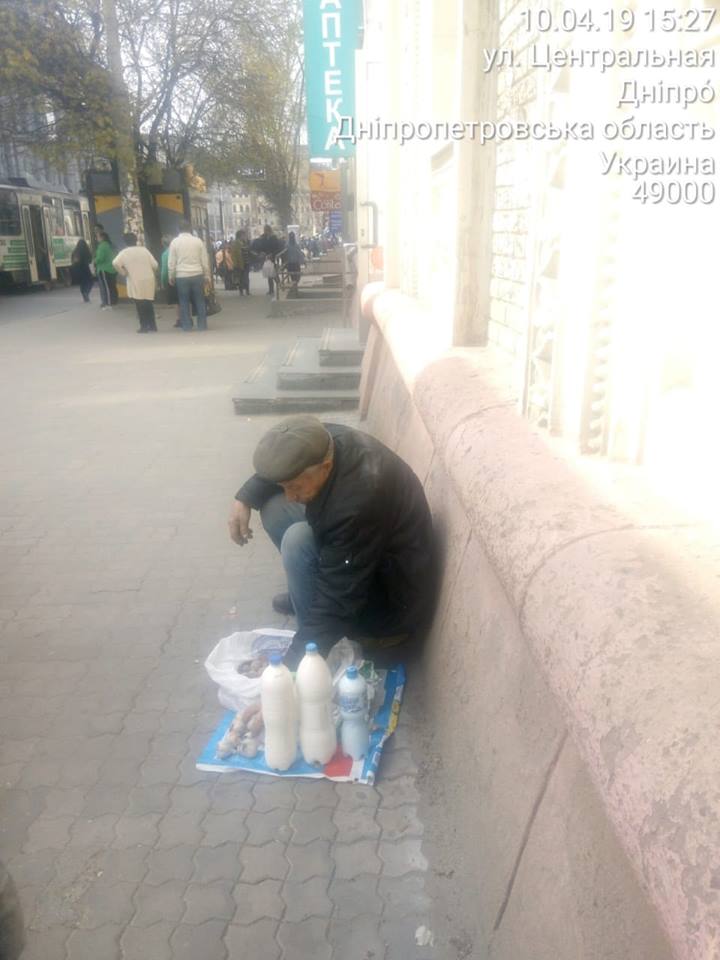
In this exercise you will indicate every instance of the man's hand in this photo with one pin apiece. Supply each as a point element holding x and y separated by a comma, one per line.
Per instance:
<point>239,523</point>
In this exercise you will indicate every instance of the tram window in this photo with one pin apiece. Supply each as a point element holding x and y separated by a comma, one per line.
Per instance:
<point>73,218</point>
<point>9,214</point>
<point>59,228</point>
<point>57,224</point>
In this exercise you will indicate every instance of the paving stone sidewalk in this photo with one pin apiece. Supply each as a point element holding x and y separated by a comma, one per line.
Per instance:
<point>121,455</point>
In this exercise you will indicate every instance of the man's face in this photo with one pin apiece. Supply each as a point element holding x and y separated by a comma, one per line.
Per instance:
<point>307,485</point>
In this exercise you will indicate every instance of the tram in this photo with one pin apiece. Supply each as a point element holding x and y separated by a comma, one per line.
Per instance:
<point>39,229</point>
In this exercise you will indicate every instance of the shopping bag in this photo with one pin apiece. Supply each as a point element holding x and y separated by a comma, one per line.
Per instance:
<point>211,304</point>
<point>236,691</point>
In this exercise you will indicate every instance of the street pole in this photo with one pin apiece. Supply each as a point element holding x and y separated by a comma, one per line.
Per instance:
<point>122,115</point>
<point>222,222</point>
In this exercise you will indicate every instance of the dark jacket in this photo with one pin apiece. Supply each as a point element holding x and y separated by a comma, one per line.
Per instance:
<point>373,530</point>
<point>241,254</point>
<point>268,244</point>
<point>80,264</point>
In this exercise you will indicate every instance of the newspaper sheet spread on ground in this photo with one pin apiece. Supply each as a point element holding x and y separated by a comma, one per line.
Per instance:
<point>388,697</point>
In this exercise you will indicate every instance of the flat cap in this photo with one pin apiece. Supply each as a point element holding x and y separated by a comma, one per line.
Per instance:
<point>291,446</point>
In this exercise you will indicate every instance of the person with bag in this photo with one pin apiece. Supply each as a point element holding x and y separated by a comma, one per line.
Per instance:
<point>105,272</point>
<point>189,271</point>
<point>268,271</point>
<point>80,269</point>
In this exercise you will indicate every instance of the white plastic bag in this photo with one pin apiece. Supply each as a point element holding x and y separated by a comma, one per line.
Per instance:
<point>235,691</point>
<point>342,655</point>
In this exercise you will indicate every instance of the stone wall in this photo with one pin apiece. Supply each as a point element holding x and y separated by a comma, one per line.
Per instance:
<point>576,732</point>
<point>512,235</point>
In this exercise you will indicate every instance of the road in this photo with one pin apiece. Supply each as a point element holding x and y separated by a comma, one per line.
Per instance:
<point>121,454</point>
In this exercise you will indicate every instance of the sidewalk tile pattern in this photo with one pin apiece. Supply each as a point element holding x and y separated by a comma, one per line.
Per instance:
<point>116,578</point>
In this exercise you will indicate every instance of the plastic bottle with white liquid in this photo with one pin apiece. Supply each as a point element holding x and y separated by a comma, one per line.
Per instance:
<point>352,699</point>
<point>318,737</point>
<point>279,709</point>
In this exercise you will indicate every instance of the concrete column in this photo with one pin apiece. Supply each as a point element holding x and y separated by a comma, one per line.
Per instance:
<point>392,16</point>
<point>475,177</point>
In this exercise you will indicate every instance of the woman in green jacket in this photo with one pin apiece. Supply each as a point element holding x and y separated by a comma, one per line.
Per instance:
<point>106,273</point>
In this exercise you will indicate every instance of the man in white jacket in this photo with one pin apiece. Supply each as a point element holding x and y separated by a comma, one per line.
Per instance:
<point>189,270</point>
<point>139,266</point>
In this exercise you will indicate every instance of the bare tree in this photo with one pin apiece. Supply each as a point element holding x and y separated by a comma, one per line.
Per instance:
<point>218,82</point>
<point>264,111</point>
<point>125,152</point>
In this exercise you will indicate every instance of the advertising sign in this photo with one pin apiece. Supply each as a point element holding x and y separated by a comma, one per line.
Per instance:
<point>325,193</point>
<point>331,31</point>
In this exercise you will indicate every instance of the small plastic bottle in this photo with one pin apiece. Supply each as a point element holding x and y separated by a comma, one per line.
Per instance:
<point>318,737</point>
<point>355,730</point>
<point>279,708</point>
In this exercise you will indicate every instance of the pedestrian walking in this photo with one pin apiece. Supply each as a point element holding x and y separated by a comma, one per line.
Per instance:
<point>294,258</point>
<point>268,271</point>
<point>80,268</point>
<point>241,258</point>
<point>189,271</point>
<point>105,272</point>
<point>139,266</point>
<point>226,266</point>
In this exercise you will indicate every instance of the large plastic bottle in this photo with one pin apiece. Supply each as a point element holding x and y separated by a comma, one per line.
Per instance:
<point>279,708</point>
<point>318,737</point>
<point>355,730</point>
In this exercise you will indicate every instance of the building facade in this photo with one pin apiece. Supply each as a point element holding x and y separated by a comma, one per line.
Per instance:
<point>541,351</point>
<point>529,243</point>
<point>234,207</point>
<point>243,206</point>
<point>18,161</point>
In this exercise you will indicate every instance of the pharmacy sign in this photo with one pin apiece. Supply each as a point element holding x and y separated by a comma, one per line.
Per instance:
<point>331,33</point>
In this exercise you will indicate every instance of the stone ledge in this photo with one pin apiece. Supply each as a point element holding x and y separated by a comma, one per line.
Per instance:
<point>621,612</point>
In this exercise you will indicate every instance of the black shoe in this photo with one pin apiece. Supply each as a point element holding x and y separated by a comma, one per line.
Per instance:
<point>281,603</point>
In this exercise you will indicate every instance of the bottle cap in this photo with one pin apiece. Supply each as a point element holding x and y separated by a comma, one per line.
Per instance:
<point>351,672</point>
<point>310,648</point>
<point>275,659</point>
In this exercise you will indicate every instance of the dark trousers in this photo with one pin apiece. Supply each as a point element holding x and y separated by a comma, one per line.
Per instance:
<point>271,285</point>
<point>146,314</point>
<point>108,288</point>
<point>245,280</point>
<point>86,285</point>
